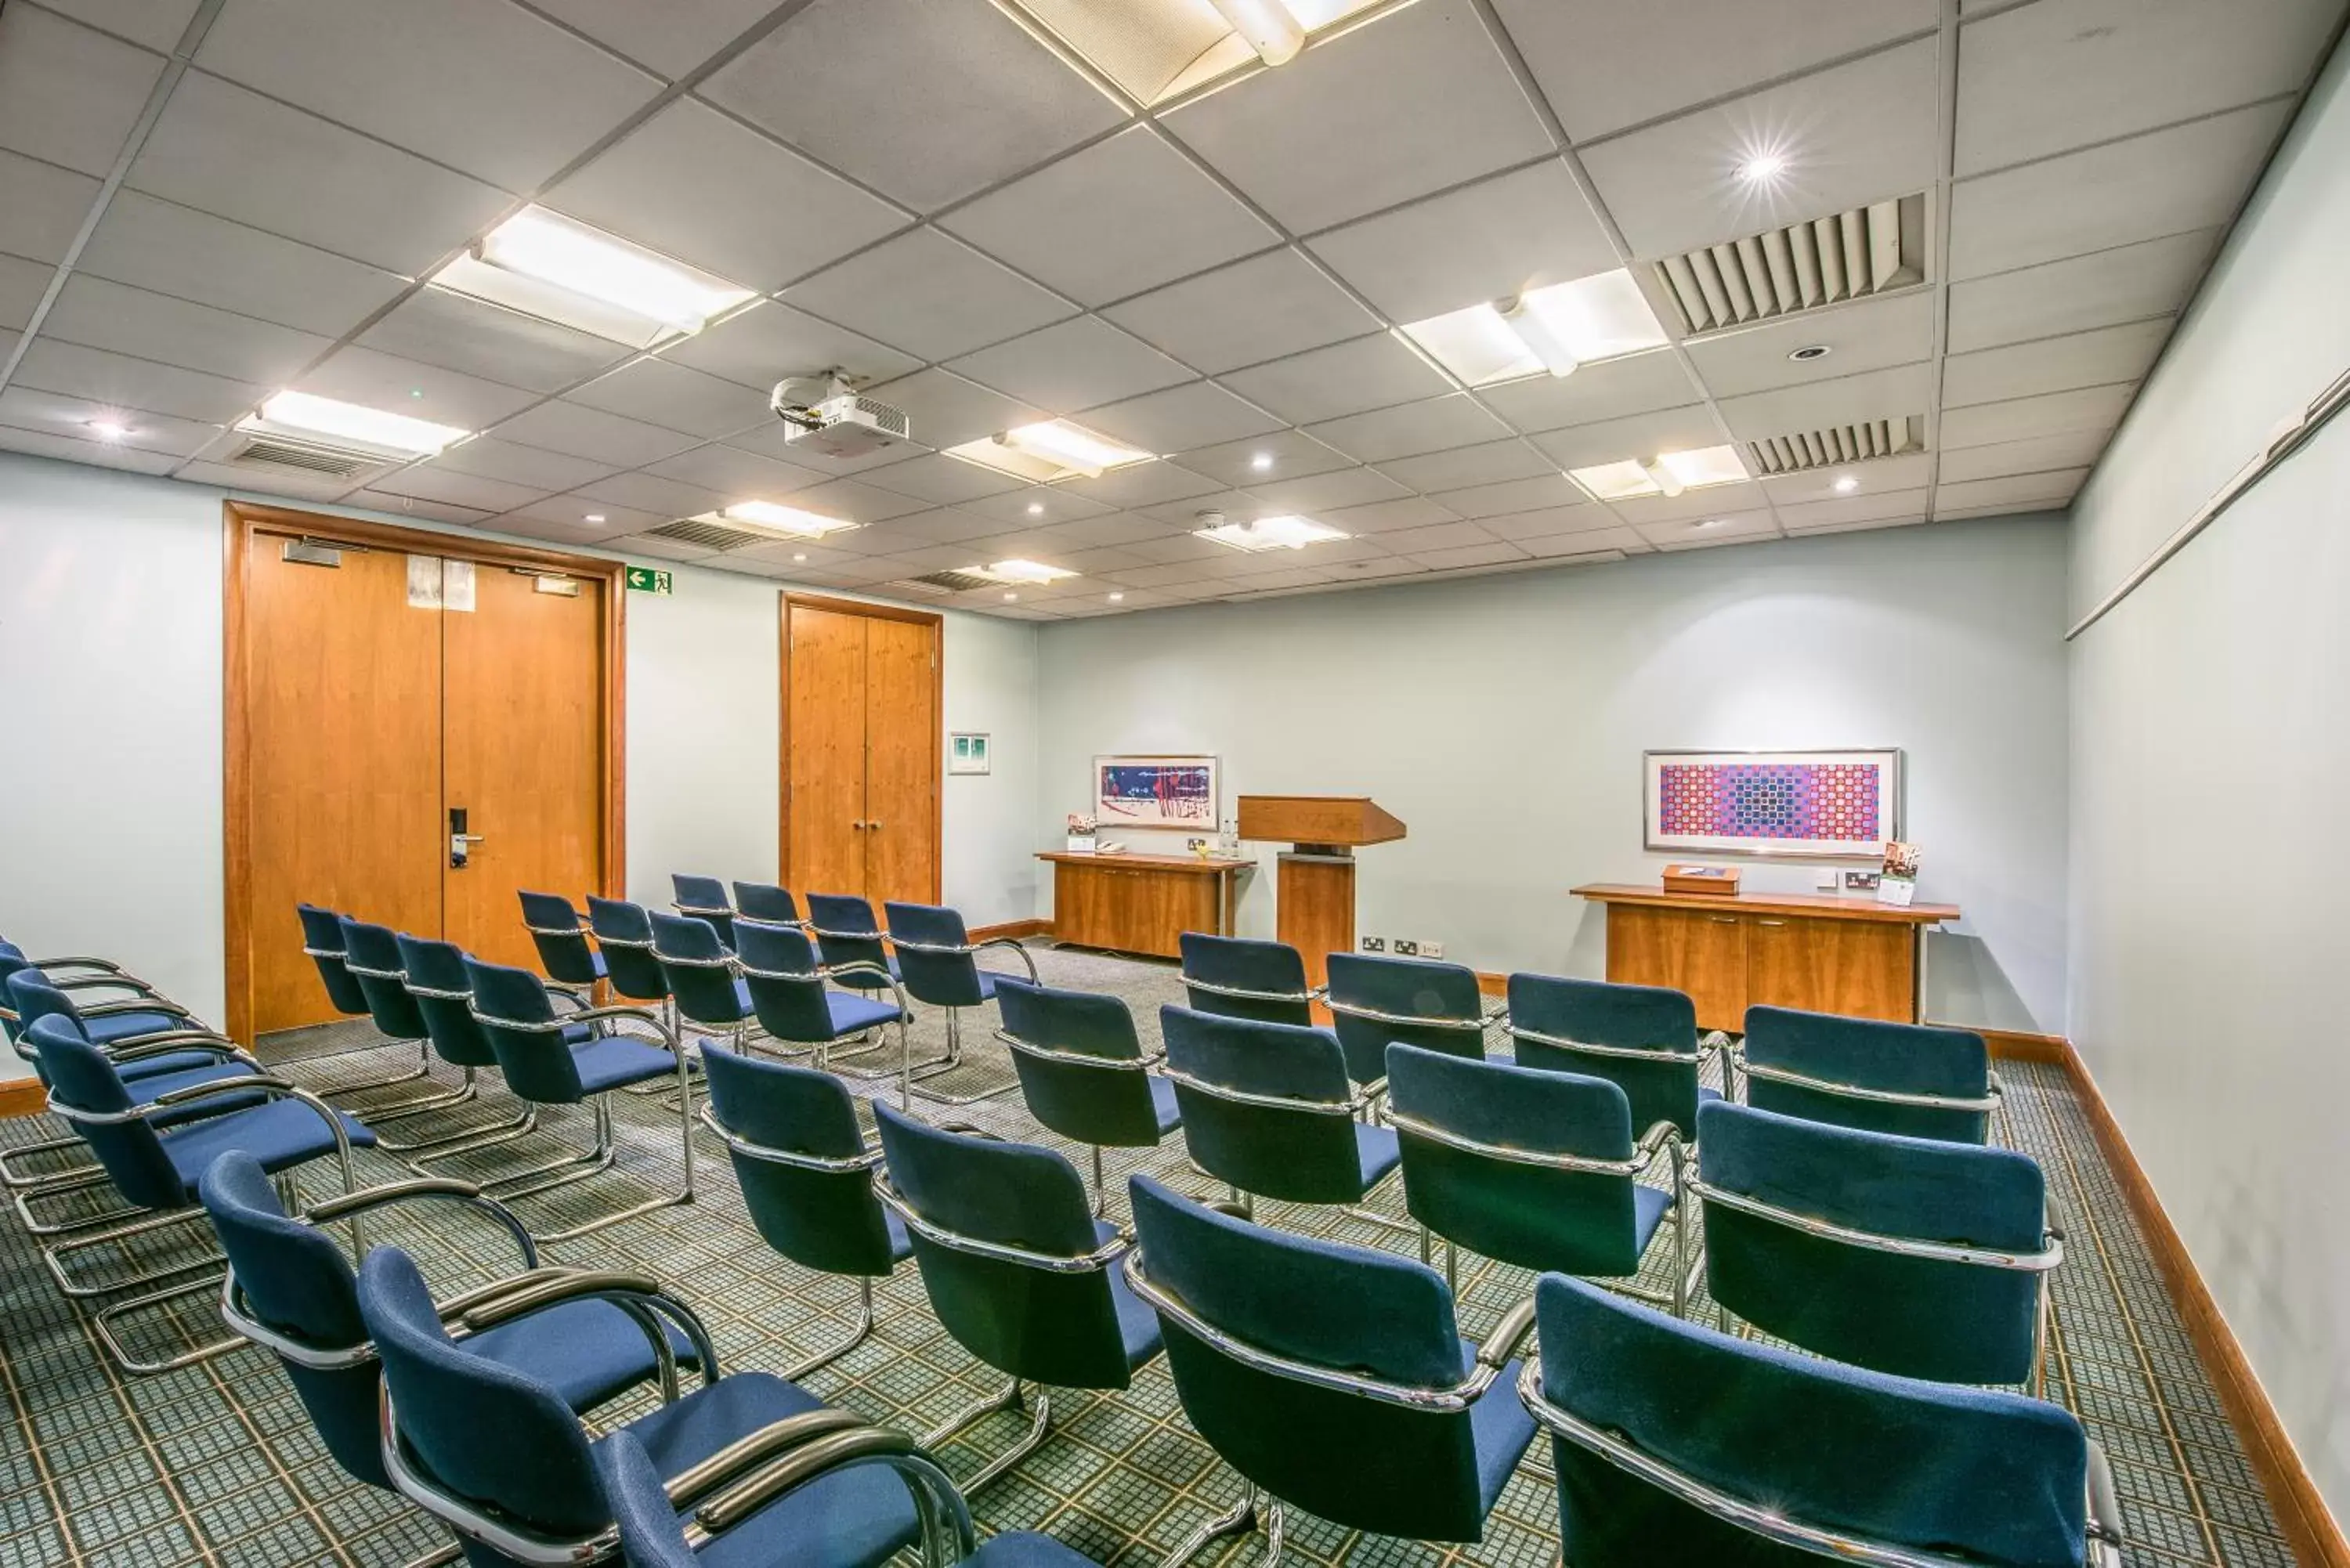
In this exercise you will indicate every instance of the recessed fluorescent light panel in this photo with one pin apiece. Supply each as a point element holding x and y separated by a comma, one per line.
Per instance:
<point>1016,571</point>
<point>772,517</point>
<point>1161,49</point>
<point>545,264</point>
<point>305,416</point>
<point>1284,532</point>
<point>1049,449</point>
<point>1554,328</point>
<point>1665,473</point>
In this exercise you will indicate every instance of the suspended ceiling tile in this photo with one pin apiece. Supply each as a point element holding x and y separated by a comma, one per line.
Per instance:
<point>2016,490</point>
<point>2053,413</point>
<point>944,481</point>
<point>1143,484</point>
<point>692,184</point>
<point>325,186</point>
<point>1344,379</point>
<point>670,38</point>
<point>1409,429</point>
<point>434,327</point>
<point>2041,454</point>
<point>1893,394</point>
<point>1611,389</point>
<point>99,453</point>
<point>487,457</point>
<point>2101,357</point>
<point>1912,471</point>
<point>929,296</point>
<point>427,483</point>
<point>1857,133</point>
<point>2170,181</point>
<point>27,408</point>
<point>97,313</point>
<point>1703,533</point>
<point>1262,308</point>
<point>41,207</point>
<point>581,431</point>
<point>69,95</point>
<point>157,24</point>
<point>1487,240</point>
<point>1867,335</point>
<point>1181,418</point>
<point>1542,490</point>
<point>667,499</point>
<point>1383,517</point>
<point>120,381</point>
<point>660,393</point>
<point>1118,218</point>
<point>1865,508</point>
<point>2061,73</point>
<point>155,244</point>
<point>381,380</point>
<point>22,284</point>
<point>948,411</point>
<point>565,517</point>
<point>1637,435</point>
<point>982,99</point>
<point>1277,455</point>
<point>1411,102</point>
<point>770,342</point>
<point>1074,364</point>
<point>1327,491</point>
<point>2104,288</point>
<point>1036,505</point>
<point>1548,522</point>
<point>1461,467</point>
<point>731,470</point>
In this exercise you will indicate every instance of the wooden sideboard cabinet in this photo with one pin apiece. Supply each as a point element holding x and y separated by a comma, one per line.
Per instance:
<point>1820,953</point>
<point>1140,903</point>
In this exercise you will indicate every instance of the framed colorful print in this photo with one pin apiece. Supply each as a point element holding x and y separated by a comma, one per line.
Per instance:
<point>1155,792</point>
<point>1819,805</point>
<point>967,753</point>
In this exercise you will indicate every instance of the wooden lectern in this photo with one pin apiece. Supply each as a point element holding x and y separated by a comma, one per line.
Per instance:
<point>1314,911</point>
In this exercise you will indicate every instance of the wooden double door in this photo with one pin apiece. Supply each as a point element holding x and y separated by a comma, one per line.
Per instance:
<point>861,750</point>
<point>415,734</point>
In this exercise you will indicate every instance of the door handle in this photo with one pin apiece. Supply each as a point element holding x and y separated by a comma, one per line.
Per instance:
<point>461,843</point>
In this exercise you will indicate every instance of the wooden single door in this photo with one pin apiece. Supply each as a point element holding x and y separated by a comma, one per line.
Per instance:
<point>523,719</point>
<point>901,761</point>
<point>824,763</point>
<point>342,707</point>
<point>1697,951</point>
<point>1860,969</point>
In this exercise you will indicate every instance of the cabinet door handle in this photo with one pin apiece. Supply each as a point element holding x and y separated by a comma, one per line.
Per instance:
<point>1769,922</point>
<point>1727,919</point>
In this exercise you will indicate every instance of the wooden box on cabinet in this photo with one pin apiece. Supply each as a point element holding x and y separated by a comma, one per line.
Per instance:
<point>1821,954</point>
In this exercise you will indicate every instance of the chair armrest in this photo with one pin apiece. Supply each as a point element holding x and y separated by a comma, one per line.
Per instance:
<point>424,1188</point>
<point>145,1004</point>
<point>83,960</point>
<point>172,1042</point>
<point>1500,1015</point>
<point>971,1129</point>
<point>623,1014</point>
<point>455,1309</point>
<point>1025,957</point>
<point>569,993</point>
<point>2105,1541</point>
<point>102,982</point>
<point>801,1465</point>
<point>639,1295</point>
<point>1502,1344</point>
<point>754,1448</point>
<point>555,1288</point>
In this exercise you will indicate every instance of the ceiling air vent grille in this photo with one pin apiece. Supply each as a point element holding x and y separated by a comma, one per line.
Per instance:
<point>1849,255</point>
<point>705,535</point>
<point>304,457</point>
<point>1838,444</point>
<point>951,582</point>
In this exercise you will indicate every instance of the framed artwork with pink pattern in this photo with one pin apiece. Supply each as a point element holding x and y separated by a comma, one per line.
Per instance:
<point>1819,805</point>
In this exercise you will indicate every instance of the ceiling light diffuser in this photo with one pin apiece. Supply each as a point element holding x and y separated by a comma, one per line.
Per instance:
<point>1048,450</point>
<point>545,264</point>
<point>1845,484</point>
<point>1267,25</point>
<point>1666,480</point>
<point>108,430</point>
<point>1666,474</point>
<point>772,517</point>
<point>1018,571</point>
<point>393,435</point>
<point>1556,329</point>
<point>1282,533</point>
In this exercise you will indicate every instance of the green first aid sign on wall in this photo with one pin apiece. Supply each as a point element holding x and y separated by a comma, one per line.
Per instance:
<point>648,580</point>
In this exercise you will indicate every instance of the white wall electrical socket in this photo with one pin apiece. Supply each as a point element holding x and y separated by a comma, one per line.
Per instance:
<point>1826,881</point>
<point>1431,950</point>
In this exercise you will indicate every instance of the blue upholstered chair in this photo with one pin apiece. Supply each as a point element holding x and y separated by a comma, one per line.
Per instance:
<point>1641,1038</point>
<point>112,1024</point>
<point>1921,1080</point>
<point>1375,1001</point>
<point>322,943</point>
<point>624,935</point>
<point>698,966</point>
<point>1906,1255</point>
<point>1017,1269</point>
<point>1787,1461</point>
<point>434,974</point>
<point>1332,1377</point>
<point>807,1177</point>
<point>1082,1071</point>
<point>371,957</point>
<point>1241,977</point>
<point>544,1061</point>
<point>848,939</point>
<point>1536,1168</point>
<point>153,1165</point>
<point>564,949</point>
<point>1268,1109</point>
<point>651,1536</point>
<point>940,964</point>
<point>704,898</point>
<point>73,974</point>
<point>794,1006</point>
<point>765,901</point>
<point>292,1291</point>
<point>496,1454</point>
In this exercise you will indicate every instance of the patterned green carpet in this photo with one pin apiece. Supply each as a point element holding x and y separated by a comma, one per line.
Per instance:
<point>217,1464</point>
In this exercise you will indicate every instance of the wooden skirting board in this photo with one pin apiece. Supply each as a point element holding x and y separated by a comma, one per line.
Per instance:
<point>22,1097</point>
<point>1012,929</point>
<point>2301,1512</point>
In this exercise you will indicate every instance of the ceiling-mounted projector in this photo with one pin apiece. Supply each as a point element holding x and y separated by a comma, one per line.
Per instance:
<point>821,414</point>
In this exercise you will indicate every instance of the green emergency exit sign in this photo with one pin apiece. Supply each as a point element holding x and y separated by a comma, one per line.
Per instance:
<point>648,580</point>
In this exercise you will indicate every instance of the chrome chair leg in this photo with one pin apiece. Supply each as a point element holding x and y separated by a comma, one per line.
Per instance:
<point>54,1255</point>
<point>1012,1398</point>
<point>948,1063</point>
<point>857,1336</point>
<point>397,1110</point>
<point>607,1155</point>
<point>16,1180</point>
<point>1255,1507</point>
<point>103,1323</point>
<point>466,1091</point>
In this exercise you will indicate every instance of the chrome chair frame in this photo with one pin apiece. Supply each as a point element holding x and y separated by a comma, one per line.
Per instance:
<point>737,1033</point>
<point>1492,1356</point>
<point>1714,1042</point>
<point>2104,1537</point>
<point>1036,1053</point>
<point>1357,1106</point>
<point>471,1139</point>
<point>1376,1088</point>
<point>1311,993</point>
<point>465,1091</point>
<point>668,1007</point>
<point>953,1058</point>
<point>397,1108</point>
<point>1987,1103</point>
<point>2042,1262</point>
<point>54,1253</point>
<point>1663,1138</point>
<point>868,1162</point>
<point>1013,1396</point>
<point>605,1154</point>
<point>907,1070</point>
